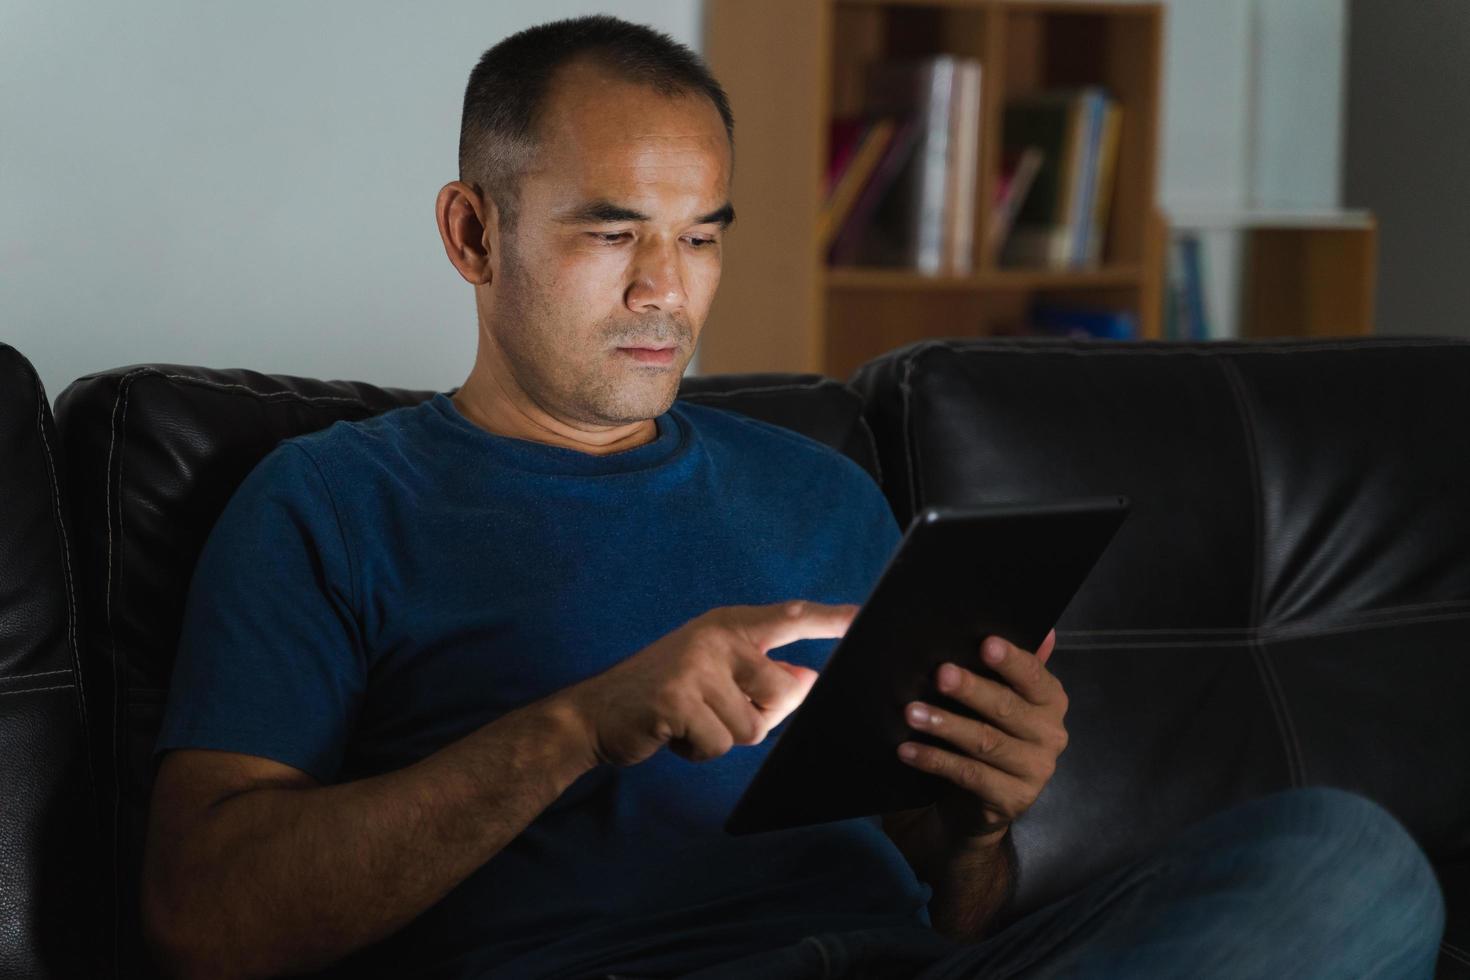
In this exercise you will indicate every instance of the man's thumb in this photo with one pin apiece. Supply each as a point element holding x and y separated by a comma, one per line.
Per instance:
<point>805,675</point>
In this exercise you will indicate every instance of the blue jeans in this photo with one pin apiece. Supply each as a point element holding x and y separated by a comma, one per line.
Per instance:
<point>1303,883</point>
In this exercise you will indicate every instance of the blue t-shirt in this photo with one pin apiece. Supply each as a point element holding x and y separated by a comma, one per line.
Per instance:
<point>379,589</point>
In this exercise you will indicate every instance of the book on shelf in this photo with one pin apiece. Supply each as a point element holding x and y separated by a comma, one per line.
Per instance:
<point>1186,316</point>
<point>860,157</point>
<point>850,234</point>
<point>916,209</point>
<point>963,166</point>
<point>1066,321</point>
<point>1018,174</point>
<point>843,138</point>
<point>1062,222</point>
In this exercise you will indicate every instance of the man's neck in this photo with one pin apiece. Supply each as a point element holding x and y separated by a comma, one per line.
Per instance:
<point>495,405</point>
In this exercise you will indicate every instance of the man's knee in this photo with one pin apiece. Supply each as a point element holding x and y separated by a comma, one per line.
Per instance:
<point>1354,861</point>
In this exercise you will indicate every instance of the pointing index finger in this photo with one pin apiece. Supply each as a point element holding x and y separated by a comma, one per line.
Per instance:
<point>786,622</point>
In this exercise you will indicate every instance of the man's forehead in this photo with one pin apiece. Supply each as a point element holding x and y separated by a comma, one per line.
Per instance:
<point>611,150</point>
<point>589,112</point>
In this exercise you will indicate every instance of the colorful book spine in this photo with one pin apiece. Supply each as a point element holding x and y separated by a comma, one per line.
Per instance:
<point>1107,168</point>
<point>862,163</point>
<point>1016,182</point>
<point>1093,109</point>
<point>848,241</point>
<point>1064,223</point>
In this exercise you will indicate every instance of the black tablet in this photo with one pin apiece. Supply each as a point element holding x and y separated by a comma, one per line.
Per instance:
<point>958,576</point>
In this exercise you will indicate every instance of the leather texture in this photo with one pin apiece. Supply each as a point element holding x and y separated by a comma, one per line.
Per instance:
<point>155,451</point>
<point>1288,603</point>
<point>48,832</point>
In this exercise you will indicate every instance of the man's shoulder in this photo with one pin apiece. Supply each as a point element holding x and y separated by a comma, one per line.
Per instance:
<point>344,455</point>
<point>359,443</point>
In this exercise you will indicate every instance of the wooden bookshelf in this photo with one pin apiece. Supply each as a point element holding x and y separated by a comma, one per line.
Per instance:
<point>1304,273</point>
<point>790,66</point>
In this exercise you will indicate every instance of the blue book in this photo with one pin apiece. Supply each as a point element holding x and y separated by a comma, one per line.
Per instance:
<point>1084,322</point>
<point>1094,107</point>
<point>1193,281</point>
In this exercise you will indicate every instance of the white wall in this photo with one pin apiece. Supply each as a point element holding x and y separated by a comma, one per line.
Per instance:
<point>1205,142</point>
<point>244,184</point>
<point>1253,120</point>
<point>1301,57</point>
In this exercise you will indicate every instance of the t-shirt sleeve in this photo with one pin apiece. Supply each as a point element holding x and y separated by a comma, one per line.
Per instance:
<point>270,660</point>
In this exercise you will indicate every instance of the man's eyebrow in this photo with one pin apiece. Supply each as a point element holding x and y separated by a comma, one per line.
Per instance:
<point>724,216</point>
<point>594,212</point>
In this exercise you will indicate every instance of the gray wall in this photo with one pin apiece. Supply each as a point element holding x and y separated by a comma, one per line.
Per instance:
<point>244,184</point>
<point>1407,150</point>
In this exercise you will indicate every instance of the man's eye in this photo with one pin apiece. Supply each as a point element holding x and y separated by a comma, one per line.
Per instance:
<point>609,237</point>
<point>702,242</point>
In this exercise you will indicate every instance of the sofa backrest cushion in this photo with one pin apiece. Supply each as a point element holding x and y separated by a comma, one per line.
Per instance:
<point>48,817</point>
<point>154,453</point>
<point>1288,602</point>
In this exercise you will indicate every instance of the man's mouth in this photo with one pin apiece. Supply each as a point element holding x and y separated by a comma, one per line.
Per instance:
<point>650,355</point>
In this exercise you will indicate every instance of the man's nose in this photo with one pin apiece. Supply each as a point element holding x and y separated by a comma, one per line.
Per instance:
<point>658,278</point>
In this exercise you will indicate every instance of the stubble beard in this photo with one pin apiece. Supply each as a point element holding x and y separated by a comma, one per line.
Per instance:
<point>580,385</point>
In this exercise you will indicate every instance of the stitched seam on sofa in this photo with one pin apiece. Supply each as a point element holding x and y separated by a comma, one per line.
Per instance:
<point>1296,759</point>
<point>23,682</point>
<point>267,395</point>
<point>1459,949</point>
<point>1268,633</point>
<point>1363,618</point>
<point>124,384</point>
<point>822,952</point>
<point>1259,655</point>
<point>1454,952</point>
<point>1290,749</point>
<point>910,444</point>
<point>1212,349</point>
<point>71,595</point>
<point>1248,432</point>
<point>36,690</point>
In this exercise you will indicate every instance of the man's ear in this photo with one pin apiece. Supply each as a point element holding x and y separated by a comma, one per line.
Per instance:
<point>469,225</point>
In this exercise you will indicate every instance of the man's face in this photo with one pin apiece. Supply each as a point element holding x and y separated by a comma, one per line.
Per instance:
<point>608,277</point>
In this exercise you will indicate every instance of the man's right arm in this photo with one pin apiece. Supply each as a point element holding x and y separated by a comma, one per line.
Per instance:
<point>253,869</point>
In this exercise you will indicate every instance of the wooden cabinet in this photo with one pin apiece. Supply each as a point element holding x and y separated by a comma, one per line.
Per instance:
<point>790,66</point>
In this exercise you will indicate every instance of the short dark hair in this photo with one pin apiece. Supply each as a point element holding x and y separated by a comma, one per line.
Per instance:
<point>506,90</point>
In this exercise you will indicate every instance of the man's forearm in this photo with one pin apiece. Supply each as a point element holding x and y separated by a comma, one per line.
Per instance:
<point>970,885</point>
<point>971,879</point>
<point>293,879</point>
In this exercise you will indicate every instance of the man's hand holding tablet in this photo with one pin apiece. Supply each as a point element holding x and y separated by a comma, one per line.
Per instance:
<point>999,762</point>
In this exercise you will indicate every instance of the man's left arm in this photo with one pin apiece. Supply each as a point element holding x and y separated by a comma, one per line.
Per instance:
<point>997,766</point>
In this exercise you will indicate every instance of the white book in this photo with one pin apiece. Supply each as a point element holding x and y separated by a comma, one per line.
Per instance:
<point>964,168</point>
<point>925,89</point>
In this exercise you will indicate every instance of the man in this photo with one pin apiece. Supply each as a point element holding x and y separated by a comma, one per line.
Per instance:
<point>468,689</point>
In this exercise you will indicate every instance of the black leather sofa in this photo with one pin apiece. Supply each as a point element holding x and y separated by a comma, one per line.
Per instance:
<point>1289,603</point>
